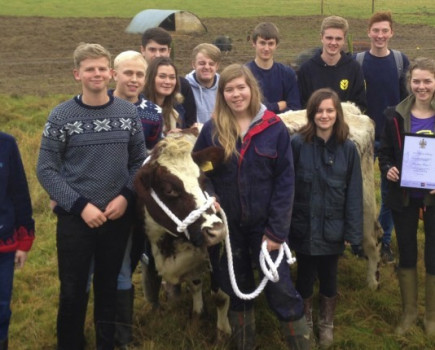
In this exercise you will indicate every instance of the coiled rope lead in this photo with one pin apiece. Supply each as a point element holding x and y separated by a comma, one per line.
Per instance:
<point>268,266</point>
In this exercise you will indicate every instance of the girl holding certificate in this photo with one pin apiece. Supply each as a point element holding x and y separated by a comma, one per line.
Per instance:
<point>414,115</point>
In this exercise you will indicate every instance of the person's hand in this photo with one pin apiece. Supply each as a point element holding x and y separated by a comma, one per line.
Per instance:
<point>393,174</point>
<point>20,258</point>
<point>282,105</point>
<point>217,206</point>
<point>52,204</point>
<point>432,192</point>
<point>93,216</point>
<point>116,208</point>
<point>271,245</point>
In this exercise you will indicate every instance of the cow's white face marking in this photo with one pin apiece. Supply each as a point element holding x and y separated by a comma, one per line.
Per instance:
<point>177,159</point>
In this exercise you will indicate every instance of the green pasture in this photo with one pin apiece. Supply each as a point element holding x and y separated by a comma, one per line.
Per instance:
<point>365,319</point>
<point>405,11</point>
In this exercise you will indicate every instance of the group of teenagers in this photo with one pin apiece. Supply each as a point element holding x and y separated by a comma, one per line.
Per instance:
<point>304,189</point>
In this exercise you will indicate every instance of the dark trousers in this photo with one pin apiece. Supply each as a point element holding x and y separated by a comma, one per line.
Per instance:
<point>312,267</point>
<point>77,244</point>
<point>406,225</point>
<point>6,280</point>
<point>282,297</point>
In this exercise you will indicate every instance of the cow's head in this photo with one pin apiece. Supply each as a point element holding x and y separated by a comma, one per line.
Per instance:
<point>178,182</point>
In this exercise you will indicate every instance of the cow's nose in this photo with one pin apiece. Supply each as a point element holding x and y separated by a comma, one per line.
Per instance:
<point>197,239</point>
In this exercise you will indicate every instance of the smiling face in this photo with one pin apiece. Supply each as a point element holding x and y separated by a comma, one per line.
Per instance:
<point>165,81</point>
<point>325,118</point>
<point>237,95</point>
<point>333,41</point>
<point>380,34</point>
<point>205,69</point>
<point>422,84</point>
<point>94,74</point>
<point>264,48</point>
<point>130,79</point>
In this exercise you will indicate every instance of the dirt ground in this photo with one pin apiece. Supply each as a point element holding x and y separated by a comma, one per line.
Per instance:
<point>36,52</point>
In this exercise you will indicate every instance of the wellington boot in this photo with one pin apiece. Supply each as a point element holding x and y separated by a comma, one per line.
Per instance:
<point>296,334</point>
<point>243,329</point>
<point>4,344</point>
<point>326,321</point>
<point>429,318</point>
<point>308,310</point>
<point>408,291</point>
<point>124,317</point>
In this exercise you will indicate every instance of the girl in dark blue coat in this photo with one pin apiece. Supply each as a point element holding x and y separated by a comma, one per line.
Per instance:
<point>254,185</point>
<point>328,205</point>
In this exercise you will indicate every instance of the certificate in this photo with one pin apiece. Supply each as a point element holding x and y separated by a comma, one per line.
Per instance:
<point>418,164</point>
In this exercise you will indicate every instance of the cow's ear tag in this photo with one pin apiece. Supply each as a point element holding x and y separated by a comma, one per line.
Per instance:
<point>207,166</point>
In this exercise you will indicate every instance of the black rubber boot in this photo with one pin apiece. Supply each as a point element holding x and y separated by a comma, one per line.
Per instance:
<point>124,318</point>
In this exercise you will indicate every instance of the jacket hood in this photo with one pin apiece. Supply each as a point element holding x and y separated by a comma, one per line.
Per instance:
<point>191,78</point>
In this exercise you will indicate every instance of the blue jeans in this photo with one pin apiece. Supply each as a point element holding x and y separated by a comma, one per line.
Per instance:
<point>6,281</point>
<point>385,217</point>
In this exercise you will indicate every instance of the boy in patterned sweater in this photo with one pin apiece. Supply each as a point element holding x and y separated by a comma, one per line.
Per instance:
<point>91,148</point>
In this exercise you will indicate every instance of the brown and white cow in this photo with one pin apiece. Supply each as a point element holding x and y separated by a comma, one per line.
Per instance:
<point>171,176</point>
<point>362,133</point>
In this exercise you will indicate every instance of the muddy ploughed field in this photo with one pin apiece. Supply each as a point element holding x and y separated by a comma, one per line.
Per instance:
<point>36,54</point>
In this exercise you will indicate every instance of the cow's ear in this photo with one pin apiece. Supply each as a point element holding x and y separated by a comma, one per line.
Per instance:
<point>142,180</point>
<point>208,158</point>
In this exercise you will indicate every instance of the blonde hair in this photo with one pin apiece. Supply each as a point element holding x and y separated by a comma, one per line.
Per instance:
<point>86,50</point>
<point>209,50</point>
<point>227,130</point>
<point>335,22</point>
<point>129,55</point>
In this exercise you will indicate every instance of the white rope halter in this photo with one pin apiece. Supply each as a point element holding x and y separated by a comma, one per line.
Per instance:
<point>270,274</point>
<point>190,219</point>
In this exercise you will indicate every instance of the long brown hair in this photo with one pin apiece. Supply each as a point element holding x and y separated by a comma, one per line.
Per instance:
<point>340,130</point>
<point>150,88</point>
<point>227,130</point>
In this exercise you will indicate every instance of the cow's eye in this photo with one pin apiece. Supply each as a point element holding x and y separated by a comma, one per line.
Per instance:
<point>169,190</point>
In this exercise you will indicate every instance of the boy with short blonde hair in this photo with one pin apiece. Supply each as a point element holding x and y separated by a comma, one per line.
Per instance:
<point>91,148</point>
<point>204,79</point>
<point>331,67</point>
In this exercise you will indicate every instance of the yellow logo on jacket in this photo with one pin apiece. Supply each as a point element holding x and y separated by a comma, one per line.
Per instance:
<point>344,84</point>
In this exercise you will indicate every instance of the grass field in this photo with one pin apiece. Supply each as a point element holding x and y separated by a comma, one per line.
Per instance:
<point>364,319</point>
<point>417,11</point>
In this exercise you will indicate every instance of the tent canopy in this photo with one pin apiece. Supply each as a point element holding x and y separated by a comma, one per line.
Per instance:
<point>172,20</point>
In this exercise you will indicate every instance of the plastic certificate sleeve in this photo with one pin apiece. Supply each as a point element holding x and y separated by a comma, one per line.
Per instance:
<point>418,164</point>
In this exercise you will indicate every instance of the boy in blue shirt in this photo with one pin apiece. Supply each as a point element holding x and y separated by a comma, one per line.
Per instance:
<point>278,82</point>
